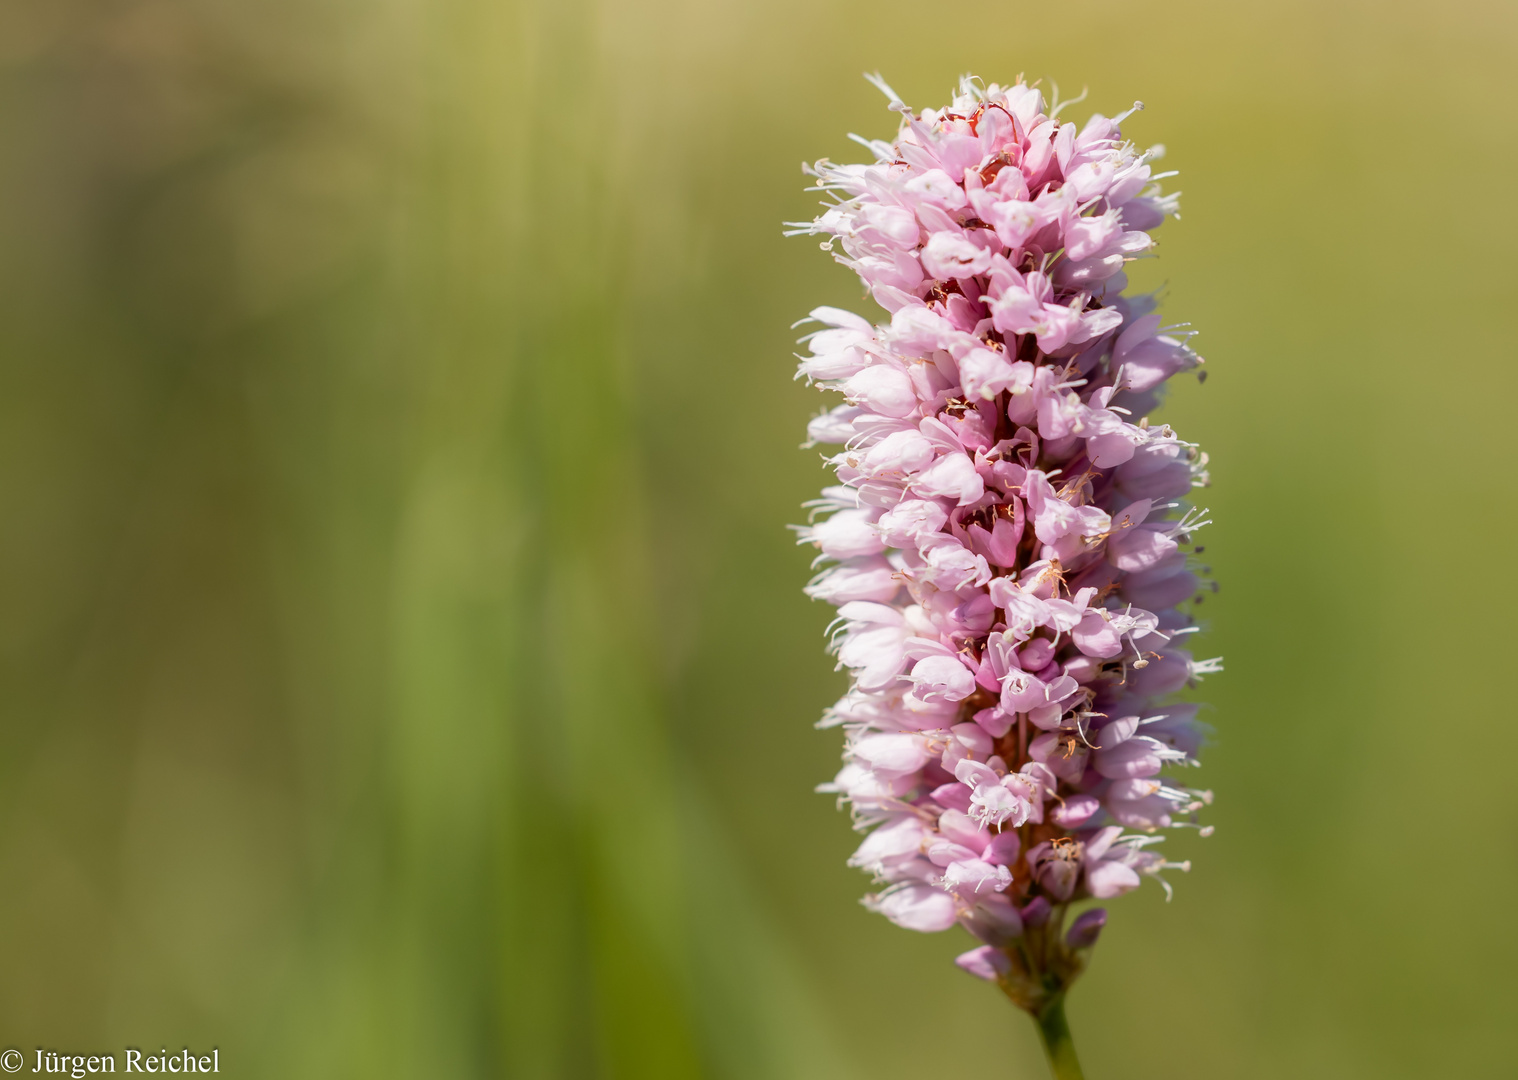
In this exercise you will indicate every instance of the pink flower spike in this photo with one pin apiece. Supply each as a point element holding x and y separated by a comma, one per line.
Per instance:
<point>1009,541</point>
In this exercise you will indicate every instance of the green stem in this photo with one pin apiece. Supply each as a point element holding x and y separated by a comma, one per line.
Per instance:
<point>1054,1029</point>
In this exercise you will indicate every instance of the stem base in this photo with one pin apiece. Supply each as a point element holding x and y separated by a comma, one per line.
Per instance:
<point>1059,1048</point>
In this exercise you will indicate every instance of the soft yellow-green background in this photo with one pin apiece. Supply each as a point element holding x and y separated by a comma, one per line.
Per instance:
<point>403,666</point>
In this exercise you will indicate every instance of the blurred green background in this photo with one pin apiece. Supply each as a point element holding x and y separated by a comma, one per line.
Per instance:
<point>405,669</point>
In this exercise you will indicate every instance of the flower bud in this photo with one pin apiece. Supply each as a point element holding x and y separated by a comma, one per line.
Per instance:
<point>1086,929</point>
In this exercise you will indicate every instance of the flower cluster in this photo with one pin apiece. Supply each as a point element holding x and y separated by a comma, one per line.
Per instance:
<point>1007,543</point>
